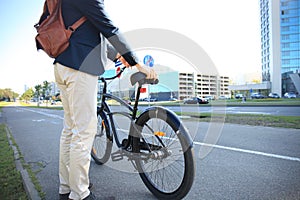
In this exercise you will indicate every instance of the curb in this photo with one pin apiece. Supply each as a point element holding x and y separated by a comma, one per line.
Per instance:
<point>30,190</point>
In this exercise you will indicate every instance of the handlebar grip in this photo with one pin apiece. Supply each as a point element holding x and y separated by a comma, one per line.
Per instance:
<point>151,81</point>
<point>140,78</point>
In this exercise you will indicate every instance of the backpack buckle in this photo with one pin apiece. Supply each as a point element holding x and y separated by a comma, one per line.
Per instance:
<point>71,28</point>
<point>36,25</point>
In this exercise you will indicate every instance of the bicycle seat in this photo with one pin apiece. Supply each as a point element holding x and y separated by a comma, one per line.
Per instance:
<point>140,78</point>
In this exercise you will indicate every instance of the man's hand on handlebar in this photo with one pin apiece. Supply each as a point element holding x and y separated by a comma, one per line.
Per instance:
<point>151,74</point>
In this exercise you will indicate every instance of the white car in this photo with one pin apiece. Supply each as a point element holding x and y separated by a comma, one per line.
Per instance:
<point>289,95</point>
<point>273,95</point>
<point>239,96</point>
<point>222,97</point>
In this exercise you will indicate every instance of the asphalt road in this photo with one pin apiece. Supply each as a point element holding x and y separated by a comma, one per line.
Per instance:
<point>246,162</point>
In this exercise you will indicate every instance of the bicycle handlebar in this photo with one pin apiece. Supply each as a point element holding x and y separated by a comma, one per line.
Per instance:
<point>138,77</point>
<point>115,76</point>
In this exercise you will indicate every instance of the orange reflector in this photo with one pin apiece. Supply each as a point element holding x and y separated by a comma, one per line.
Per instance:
<point>159,133</point>
<point>94,150</point>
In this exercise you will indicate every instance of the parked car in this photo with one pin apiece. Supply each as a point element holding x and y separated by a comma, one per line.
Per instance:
<point>210,98</point>
<point>274,95</point>
<point>257,96</point>
<point>195,100</point>
<point>239,96</point>
<point>222,97</point>
<point>289,95</point>
<point>149,99</point>
<point>173,99</point>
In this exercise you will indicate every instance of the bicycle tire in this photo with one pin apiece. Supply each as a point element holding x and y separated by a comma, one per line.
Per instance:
<point>102,145</point>
<point>171,177</point>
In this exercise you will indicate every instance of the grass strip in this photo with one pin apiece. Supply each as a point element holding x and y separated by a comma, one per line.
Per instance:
<point>10,178</point>
<point>249,119</point>
<point>45,107</point>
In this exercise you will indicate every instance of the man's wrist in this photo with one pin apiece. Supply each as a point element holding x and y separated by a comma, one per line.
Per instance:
<point>118,56</point>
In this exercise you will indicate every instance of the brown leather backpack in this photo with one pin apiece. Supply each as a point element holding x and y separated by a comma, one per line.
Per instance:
<point>53,37</point>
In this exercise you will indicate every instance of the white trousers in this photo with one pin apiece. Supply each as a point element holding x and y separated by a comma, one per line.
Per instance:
<point>78,92</point>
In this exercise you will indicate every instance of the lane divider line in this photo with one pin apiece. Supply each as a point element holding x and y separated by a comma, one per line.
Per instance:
<point>43,113</point>
<point>249,151</point>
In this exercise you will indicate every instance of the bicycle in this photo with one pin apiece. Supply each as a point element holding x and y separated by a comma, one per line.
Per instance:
<point>158,144</point>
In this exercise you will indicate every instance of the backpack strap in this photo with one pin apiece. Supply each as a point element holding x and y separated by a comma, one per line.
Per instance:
<point>49,7</point>
<point>77,23</point>
<point>52,4</point>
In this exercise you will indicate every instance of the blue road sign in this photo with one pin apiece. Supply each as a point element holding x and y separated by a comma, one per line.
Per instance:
<point>149,61</point>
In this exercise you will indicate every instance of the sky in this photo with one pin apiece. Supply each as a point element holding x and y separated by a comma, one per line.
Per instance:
<point>228,31</point>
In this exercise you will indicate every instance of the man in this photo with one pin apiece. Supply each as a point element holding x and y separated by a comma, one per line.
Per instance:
<point>76,71</point>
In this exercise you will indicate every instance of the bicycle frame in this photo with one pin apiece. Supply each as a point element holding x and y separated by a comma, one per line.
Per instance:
<point>160,152</point>
<point>133,110</point>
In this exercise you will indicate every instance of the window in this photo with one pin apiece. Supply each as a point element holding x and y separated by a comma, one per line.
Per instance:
<point>285,28</point>
<point>285,61</point>
<point>285,53</point>
<point>294,28</point>
<point>285,45</point>
<point>285,37</point>
<point>284,3</point>
<point>285,20</point>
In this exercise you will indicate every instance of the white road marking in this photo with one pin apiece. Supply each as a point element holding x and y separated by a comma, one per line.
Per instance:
<point>249,151</point>
<point>249,112</point>
<point>38,120</point>
<point>43,113</point>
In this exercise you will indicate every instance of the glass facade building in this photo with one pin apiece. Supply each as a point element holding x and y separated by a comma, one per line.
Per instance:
<point>290,36</point>
<point>280,44</point>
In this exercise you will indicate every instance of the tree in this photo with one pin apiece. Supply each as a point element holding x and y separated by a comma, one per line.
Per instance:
<point>28,94</point>
<point>7,94</point>
<point>256,81</point>
<point>38,90</point>
<point>46,89</point>
<point>43,91</point>
<point>2,96</point>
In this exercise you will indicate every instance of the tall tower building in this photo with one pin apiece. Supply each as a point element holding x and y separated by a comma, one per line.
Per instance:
<point>280,44</point>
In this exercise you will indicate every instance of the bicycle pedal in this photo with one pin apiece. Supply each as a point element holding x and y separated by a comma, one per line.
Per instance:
<point>117,156</point>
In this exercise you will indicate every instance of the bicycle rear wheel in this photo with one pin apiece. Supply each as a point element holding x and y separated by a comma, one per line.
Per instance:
<point>102,145</point>
<point>168,169</point>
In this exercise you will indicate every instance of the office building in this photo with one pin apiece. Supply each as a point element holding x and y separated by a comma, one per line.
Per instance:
<point>175,84</point>
<point>280,44</point>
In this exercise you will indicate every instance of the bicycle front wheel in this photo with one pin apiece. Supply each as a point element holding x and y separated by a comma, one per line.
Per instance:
<point>102,145</point>
<point>166,163</point>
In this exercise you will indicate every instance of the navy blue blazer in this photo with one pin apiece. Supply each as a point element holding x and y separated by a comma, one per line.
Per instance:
<point>84,51</point>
